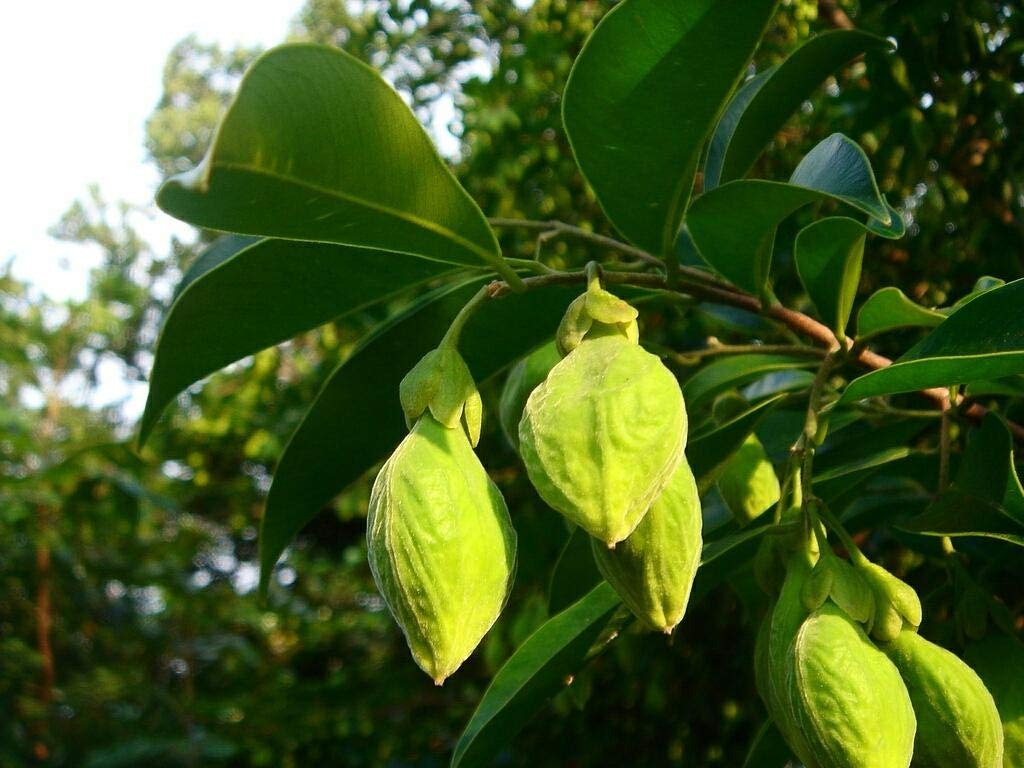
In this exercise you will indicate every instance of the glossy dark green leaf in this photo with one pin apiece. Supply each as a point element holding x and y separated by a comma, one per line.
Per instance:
<point>238,302</point>
<point>984,470</point>
<point>356,419</point>
<point>1013,499</point>
<point>725,553</point>
<point>575,573</point>
<point>777,383</point>
<point>709,451</point>
<point>736,370</point>
<point>644,95</point>
<point>983,284</point>
<point>768,749</point>
<point>957,513</point>
<point>983,339</point>
<point>888,309</point>
<point>534,674</point>
<point>734,225</point>
<point>317,147</point>
<point>871,460</point>
<point>220,251</point>
<point>829,254</point>
<point>762,106</point>
<point>837,166</point>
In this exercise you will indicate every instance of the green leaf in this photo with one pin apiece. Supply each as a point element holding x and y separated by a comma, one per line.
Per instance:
<point>709,451</point>
<point>768,750</point>
<point>642,98</point>
<point>876,458</point>
<point>1013,499</point>
<point>984,470</point>
<point>243,296</point>
<point>534,674</point>
<point>982,285</point>
<point>575,572</point>
<point>722,556</point>
<point>736,370</point>
<point>984,339</point>
<point>958,513</point>
<point>837,166</point>
<point>356,419</point>
<point>734,225</point>
<point>316,146</point>
<point>765,102</point>
<point>828,256</point>
<point>888,309</point>
<point>220,251</point>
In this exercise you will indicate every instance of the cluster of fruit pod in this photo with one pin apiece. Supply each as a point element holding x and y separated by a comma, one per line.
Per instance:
<point>602,436</point>
<point>601,427</point>
<point>850,683</point>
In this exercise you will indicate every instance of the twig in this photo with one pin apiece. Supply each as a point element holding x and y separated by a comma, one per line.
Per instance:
<point>691,357</point>
<point>701,285</point>
<point>547,227</point>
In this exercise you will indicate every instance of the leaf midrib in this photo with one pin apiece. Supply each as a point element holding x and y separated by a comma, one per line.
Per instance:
<point>487,256</point>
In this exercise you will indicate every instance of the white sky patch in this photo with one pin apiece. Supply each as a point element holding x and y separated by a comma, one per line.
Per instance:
<point>79,81</point>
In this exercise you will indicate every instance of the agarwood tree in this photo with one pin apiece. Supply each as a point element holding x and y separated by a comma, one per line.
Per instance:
<point>337,201</point>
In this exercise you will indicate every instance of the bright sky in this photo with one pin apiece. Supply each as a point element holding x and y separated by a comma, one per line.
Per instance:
<point>79,80</point>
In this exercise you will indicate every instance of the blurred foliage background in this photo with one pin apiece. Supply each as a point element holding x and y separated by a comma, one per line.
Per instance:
<point>130,632</point>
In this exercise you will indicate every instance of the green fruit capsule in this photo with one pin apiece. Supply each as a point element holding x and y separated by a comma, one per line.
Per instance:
<point>999,661</point>
<point>441,545</point>
<point>524,377</point>
<point>772,663</point>
<point>957,720</point>
<point>653,569</point>
<point>602,436</point>
<point>748,484</point>
<point>848,699</point>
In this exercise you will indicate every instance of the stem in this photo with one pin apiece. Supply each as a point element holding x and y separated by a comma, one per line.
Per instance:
<point>451,337</point>
<point>944,448</point>
<point>700,284</point>
<point>691,357</point>
<point>856,556</point>
<point>533,266</point>
<point>812,436</point>
<point>944,444</point>
<point>580,234</point>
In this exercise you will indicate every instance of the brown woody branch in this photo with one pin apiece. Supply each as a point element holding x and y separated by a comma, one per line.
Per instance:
<point>700,285</point>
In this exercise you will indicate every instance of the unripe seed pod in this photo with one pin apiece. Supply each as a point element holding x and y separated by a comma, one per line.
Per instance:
<point>748,484</point>
<point>999,661</point>
<point>653,569</point>
<point>602,436</point>
<point>441,545</point>
<point>847,697</point>
<point>957,720</point>
<point>772,663</point>
<point>524,377</point>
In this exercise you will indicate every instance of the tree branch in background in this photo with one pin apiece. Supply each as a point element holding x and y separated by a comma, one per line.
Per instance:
<point>830,12</point>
